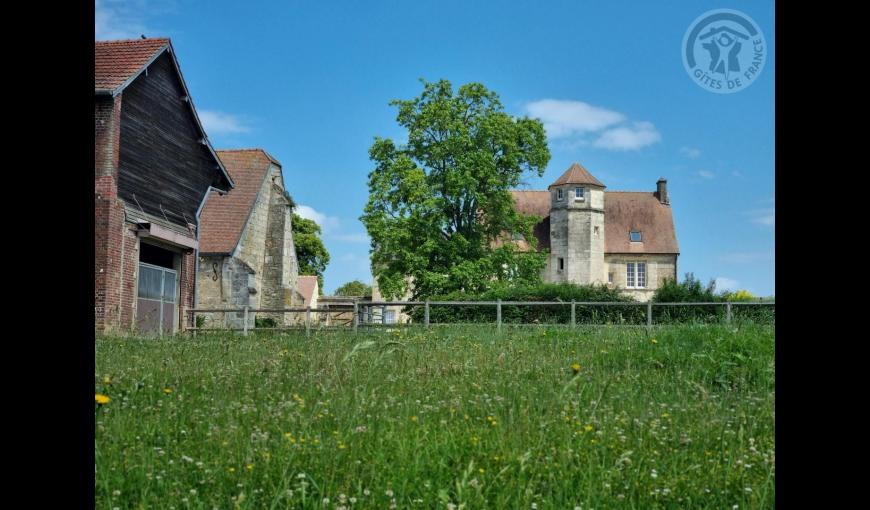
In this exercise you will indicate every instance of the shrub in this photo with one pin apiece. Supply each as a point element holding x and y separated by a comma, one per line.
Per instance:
<point>530,314</point>
<point>265,322</point>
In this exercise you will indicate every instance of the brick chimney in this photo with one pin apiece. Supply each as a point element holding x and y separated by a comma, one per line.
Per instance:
<point>662,190</point>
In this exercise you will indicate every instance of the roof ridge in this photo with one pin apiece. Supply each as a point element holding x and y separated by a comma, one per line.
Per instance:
<point>139,40</point>
<point>622,191</point>
<point>242,150</point>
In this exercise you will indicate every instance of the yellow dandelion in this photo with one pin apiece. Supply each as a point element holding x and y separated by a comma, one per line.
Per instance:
<point>482,471</point>
<point>413,418</point>
<point>576,368</point>
<point>654,341</point>
<point>106,380</point>
<point>101,399</point>
<point>250,467</point>
<point>232,470</point>
<point>167,390</point>
<point>588,428</point>
<point>288,434</point>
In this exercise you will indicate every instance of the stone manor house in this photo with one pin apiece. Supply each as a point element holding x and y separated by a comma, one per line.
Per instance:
<point>624,239</point>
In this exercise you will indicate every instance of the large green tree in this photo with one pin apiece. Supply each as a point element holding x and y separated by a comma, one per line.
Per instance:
<point>438,204</point>
<point>310,251</point>
<point>354,288</point>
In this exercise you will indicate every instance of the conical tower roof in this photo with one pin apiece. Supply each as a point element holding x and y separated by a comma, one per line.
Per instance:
<point>577,175</point>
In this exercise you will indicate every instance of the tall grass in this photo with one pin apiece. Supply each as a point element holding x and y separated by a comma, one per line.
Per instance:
<point>453,417</point>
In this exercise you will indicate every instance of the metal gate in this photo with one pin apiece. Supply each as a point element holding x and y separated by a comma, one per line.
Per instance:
<point>155,310</point>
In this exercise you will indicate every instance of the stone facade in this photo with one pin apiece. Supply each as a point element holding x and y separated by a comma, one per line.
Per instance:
<point>589,234</point>
<point>262,270</point>
<point>658,269</point>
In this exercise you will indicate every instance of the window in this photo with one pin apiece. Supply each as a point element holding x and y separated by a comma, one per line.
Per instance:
<point>609,277</point>
<point>635,275</point>
<point>389,317</point>
<point>579,194</point>
<point>561,264</point>
<point>559,194</point>
<point>634,236</point>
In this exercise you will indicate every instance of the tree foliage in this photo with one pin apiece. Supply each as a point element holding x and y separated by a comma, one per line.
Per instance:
<point>310,251</point>
<point>437,204</point>
<point>690,290</point>
<point>354,288</point>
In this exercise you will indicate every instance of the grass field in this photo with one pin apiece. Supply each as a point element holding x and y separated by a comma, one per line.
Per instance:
<point>448,418</point>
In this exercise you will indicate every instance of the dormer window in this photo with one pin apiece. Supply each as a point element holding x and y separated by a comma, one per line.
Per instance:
<point>579,194</point>
<point>559,194</point>
<point>634,236</point>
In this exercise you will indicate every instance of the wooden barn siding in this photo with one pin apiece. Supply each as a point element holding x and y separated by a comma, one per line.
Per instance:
<point>161,159</point>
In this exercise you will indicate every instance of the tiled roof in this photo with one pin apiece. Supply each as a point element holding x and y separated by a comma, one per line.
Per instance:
<point>307,286</point>
<point>116,62</point>
<point>576,174</point>
<point>624,211</point>
<point>223,218</point>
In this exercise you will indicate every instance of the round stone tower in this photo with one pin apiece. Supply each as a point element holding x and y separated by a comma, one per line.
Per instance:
<point>576,228</point>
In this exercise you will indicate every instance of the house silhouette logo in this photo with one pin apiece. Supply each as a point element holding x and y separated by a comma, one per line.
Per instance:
<point>724,51</point>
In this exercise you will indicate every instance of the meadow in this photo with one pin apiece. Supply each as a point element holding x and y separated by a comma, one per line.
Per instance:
<point>452,418</point>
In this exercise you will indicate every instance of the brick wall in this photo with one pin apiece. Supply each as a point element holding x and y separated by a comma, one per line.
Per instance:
<point>108,215</point>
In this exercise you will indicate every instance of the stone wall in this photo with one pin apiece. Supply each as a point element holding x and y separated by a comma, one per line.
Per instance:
<point>658,268</point>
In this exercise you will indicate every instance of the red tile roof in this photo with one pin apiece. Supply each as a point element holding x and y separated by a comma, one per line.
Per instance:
<point>624,211</point>
<point>307,286</point>
<point>224,217</point>
<point>576,174</point>
<point>116,62</point>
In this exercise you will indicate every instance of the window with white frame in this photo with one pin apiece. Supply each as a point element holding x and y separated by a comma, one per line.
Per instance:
<point>635,275</point>
<point>579,194</point>
<point>559,194</point>
<point>389,317</point>
<point>610,277</point>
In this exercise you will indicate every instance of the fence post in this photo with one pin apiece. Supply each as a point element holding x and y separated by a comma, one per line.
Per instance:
<point>649,314</point>
<point>245,326</point>
<point>573,313</point>
<point>498,314</point>
<point>308,320</point>
<point>426,315</point>
<point>728,312</point>
<point>355,316</point>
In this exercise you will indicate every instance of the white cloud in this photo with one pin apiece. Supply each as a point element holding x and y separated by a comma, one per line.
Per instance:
<point>723,284</point>
<point>220,123</point>
<point>564,118</point>
<point>690,152</point>
<point>576,124</point>
<point>116,20</point>
<point>706,174</point>
<point>352,238</point>
<point>633,137</point>
<point>766,218</point>
<point>327,223</point>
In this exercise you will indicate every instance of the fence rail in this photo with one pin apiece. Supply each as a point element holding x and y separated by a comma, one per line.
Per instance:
<point>364,313</point>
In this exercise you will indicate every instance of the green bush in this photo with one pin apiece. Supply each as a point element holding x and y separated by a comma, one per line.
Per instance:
<point>265,322</point>
<point>531,314</point>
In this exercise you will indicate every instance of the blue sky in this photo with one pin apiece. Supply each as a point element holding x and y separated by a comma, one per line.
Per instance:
<point>310,84</point>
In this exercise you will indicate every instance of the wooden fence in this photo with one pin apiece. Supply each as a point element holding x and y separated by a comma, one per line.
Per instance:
<point>361,314</point>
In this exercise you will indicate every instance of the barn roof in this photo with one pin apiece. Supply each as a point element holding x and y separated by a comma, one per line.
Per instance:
<point>624,211</point>
<point>224,217</point>
<point>118,63</point>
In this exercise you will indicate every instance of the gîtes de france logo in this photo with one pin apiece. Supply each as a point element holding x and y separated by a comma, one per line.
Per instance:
<point>724,51</point>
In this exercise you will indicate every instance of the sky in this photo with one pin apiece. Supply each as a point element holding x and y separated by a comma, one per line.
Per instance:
<point>310,83</point>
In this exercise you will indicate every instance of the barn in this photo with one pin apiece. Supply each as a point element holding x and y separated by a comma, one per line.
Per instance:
<point>153,169</point>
